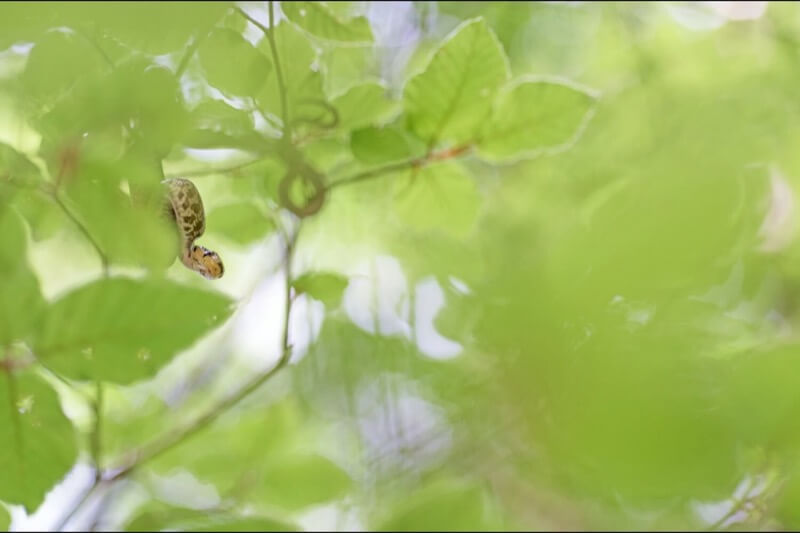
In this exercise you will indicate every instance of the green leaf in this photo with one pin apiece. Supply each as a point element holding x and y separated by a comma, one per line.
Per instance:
<point>143,98</point>
<point>124,330</point>
<point>364,105</point>
<point>232,64</point>
<point>530,116</point>
<point>379,145</point>
<point>152,27</point>
<point>38,441</point>
<point>57,61</point>
<point>444,505</point>
<point>24,21</point>
<point>216,124</point>
<point>318,19</point>
<point>243,222</point>
<point>346,66</point>
<point>5,519</point>
<point>16,168</point>
<point>127,233</point>
<point>296,481</point>
<point>442,197</point>
<point>451,98</point>
<point>303,84</point>
<point>161,517</point>
<point>216,115</point>
<point>20,298</point>
<point>251,437</point>
<point>326,287</point>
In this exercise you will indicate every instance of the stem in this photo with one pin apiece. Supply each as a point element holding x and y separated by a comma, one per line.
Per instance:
<point>287,133</point>
<point>84,230</point>
<point>738,504</point>
<point>416,162</point>
<point>289,251</point>
<point>96,443</point>
<point>187,56</point>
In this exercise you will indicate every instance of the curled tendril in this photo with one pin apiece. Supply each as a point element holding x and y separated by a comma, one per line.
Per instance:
<point>329,118</point>
<point>306,175</point>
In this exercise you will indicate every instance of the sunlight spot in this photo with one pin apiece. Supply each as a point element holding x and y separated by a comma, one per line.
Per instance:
<point>257,328</point>
<point>429,301</point>
<point>459,285</point>
<point>378,293</point>
<point>24,405</point>
<point>305,324</point>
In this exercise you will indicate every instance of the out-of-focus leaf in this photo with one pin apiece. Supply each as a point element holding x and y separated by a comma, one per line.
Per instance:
<point>137,95</point>
<point>242,223</point>
<point>152,27</point>
<point>451,98</point>
<point>346,66</point>
<point>124,330</point>
<point>327,153</point>
<point>531,116</point>
<point>161,517</point>
<point>297,481</point>
<point>24,21</point>
<point>317,19</point>
<point>20,298</point>
<point>39,444</point>
<point>16,169</point>
<point>441,197</point>
<point>127,233</point>
<point>215,124</point>
<point>233,452</point>
<point>232,64</point>
<point>445,505</point>
<point>326,287</point>
<point>786,508</point>
<point>5,518</point>
<point>364,105</point>
<point>216,115</point>
<point>57,61</point>
<point>260,179</point>
<point>379,145</point>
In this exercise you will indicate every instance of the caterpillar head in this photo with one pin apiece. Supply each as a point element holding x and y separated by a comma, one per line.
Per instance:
<point>206,262</point>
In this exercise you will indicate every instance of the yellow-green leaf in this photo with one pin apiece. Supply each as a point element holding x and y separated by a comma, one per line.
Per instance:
<point>318,19</point>
<point>451,98</point>
<point>124,330</point>
<point>38,441</point>
<point>439,197</point>
<point>534,115</point>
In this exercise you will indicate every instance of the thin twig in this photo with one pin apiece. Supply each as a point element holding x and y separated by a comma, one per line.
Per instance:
<point>287,132</point>
<point>187,56</point>
<point>416,162</point>
<point>97,441</point>
<point>736,506</point>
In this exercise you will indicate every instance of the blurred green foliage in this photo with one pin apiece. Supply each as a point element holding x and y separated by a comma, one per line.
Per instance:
<point>551,283</point>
